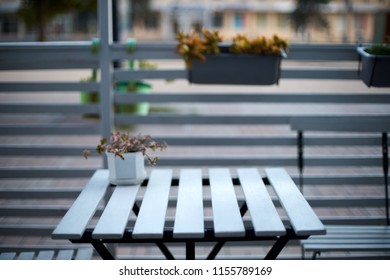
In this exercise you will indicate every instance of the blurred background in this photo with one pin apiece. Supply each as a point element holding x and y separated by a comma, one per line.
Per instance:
<point>318,21</point>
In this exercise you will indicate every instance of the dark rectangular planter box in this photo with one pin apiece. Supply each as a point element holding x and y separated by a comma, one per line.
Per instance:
<point>375,69</point>
<point>236,69</point>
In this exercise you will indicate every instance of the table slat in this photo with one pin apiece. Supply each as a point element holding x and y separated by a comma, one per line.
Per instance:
<point>226,213</point>
<point>114,219</point>
<point>302,217</point>
<point>65,255</point>
<point>46,255</point>
<point>189,219</point>
<point>7,256</point>
<point>78,216</point>
<point>26,256</point>
<point>151,217</point>
<point>265,218</point>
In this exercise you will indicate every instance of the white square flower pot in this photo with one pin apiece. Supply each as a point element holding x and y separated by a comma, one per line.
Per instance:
<point>130,171</point>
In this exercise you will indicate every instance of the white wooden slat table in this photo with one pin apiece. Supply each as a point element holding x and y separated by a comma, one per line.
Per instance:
<point>189,221</point>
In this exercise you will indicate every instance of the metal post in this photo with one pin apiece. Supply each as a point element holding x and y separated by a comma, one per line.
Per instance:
<point>385,159</point>
<point>190,250</point>
<point>106,76</point>
<point>106,70</point>
<point>300,159</point>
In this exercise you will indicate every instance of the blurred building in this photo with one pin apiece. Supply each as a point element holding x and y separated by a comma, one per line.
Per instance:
<point>349,21</point>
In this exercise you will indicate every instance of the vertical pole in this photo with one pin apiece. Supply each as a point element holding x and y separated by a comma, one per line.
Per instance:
<point>385,161</point>
<point>106,76</point>
<point>300,159</point>
<point>190,250</point>
<point>115,21</point>
<point>106,70</point>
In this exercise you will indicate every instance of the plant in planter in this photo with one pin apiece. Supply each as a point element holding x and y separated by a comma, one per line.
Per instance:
<point>253,61</point>
<point>139,86</point>
<point>125,156</point>
<point>190,46</point>
<point>375,64</point>
<point>90,97</point>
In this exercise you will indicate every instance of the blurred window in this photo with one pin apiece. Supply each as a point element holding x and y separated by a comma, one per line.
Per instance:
<point>283,20</point>
<point>261,20</point>
<point>152,21</point>
<point>218,20</point>
<point>239,22</point>
<point>9,24</point>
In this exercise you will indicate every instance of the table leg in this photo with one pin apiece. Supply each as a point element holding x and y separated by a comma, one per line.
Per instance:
<point>102,250</point>
<point>217,247</point>
<point>277,248</point>
<point>214,252</point>
<point>281,243</point>
<point>164,249</point>
<point>190,250</point>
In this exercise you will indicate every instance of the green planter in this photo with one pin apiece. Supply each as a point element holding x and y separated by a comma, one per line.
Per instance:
<point>138,87</point>
<point>143,107</point>
<point>90,97</point>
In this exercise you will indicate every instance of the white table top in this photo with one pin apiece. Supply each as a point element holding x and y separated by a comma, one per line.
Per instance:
<point>189,217</point>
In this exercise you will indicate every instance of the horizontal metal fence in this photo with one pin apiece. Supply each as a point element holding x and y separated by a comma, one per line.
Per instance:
<point>344,169</point>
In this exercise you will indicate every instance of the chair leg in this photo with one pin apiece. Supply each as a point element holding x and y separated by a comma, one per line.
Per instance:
<point>315,254</point>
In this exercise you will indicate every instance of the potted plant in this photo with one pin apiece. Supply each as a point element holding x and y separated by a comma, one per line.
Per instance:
<point>126,156</point>
<point>375,64</point>
<point>250,61</point>
<point>140,87</point>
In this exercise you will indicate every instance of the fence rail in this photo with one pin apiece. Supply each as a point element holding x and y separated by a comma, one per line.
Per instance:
<point>356,162</point>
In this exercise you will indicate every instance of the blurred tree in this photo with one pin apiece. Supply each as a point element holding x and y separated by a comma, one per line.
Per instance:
<point>38,13</point>
<point>306,13</point>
